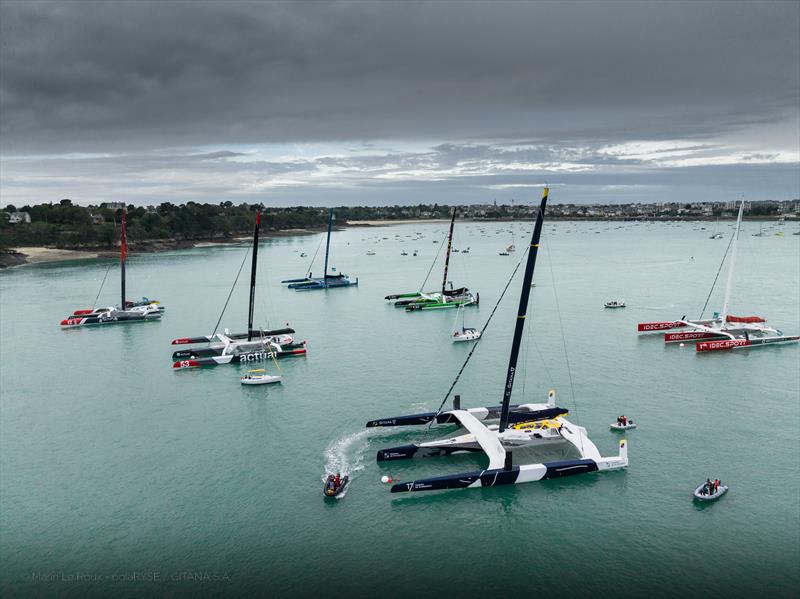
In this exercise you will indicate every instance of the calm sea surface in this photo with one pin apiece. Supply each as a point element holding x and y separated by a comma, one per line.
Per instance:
<point>117,470</point>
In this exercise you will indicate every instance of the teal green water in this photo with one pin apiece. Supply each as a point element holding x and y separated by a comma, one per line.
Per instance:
<point>113,465</point>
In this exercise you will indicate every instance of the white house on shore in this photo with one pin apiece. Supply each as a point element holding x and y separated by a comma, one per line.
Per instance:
<point>19,217</point>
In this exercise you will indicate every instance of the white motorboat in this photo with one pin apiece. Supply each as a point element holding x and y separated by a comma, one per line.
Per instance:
<point>614,304</point>
<point>259,377</point>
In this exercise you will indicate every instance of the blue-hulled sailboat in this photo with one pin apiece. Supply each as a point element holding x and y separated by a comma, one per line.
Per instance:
<point>338,280</point>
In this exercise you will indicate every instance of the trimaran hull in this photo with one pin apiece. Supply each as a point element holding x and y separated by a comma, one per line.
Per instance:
<point>108,318</point>
<point>247,357</point>
<point>726,344</point>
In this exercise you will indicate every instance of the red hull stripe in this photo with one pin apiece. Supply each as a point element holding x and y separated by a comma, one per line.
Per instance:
<point>720,345</point>
<point>688,336</point>
<point>72,322</point>
<point>658,326</point>
<point>79,312</point>
<point>181,341</point>
<point>186,364</point>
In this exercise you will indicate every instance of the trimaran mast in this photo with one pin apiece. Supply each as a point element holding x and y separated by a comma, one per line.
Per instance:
<point>123,254</point>
<point>327,247</point>
<point>724,314</point>
<point>253,264</point>
<point>522,313</point>
<point>447,256</point>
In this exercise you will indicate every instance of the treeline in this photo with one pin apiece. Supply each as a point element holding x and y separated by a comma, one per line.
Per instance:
<point>70,226</point>
<point>67,225</point>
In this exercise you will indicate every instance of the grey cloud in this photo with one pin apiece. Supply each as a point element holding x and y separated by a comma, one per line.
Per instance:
<point>100,76</point>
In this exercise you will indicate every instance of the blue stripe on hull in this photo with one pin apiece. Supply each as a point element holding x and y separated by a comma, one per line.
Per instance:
<point>488,478</point>
<point>569,468</point>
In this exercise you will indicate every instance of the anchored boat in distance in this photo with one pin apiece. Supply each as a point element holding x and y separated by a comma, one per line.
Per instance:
<point>437,300</point>
<point>724,330</point>
<point>128,311</point>
<point>253,346</point>
<point>327,281</point>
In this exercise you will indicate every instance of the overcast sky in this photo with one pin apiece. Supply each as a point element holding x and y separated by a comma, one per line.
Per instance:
<point>327,103</point>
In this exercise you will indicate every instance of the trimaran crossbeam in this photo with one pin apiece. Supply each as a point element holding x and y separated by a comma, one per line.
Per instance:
<point>518,426</point>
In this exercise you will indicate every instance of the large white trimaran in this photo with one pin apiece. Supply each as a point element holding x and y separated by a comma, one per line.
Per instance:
<point>726,331</point>
<point>519,426</point>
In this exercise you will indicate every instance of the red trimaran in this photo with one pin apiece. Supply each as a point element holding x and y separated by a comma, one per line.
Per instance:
<point>724,331</point>
<point>137,311</point>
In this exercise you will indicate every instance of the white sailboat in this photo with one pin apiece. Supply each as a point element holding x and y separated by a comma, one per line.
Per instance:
<point>464,333</point>
<point>726,331</point>
<point>518,426</point>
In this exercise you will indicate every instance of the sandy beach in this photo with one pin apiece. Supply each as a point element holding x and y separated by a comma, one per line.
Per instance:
<point>37,255</point>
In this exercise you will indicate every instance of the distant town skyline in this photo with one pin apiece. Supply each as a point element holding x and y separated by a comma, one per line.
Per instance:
<point>385,103</point>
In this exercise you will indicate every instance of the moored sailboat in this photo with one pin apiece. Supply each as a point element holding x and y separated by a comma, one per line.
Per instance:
<point>128,311</point>
<point>519,426</point>
<point>327,281</point>
<point>726,331</point>
<point>437,300</point>
<point>253,346</point>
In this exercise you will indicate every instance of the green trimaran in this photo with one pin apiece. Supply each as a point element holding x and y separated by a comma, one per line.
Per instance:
<point>437,300</point>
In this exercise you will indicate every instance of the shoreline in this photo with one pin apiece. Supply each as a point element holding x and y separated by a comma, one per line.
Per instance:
<point>22,255</point>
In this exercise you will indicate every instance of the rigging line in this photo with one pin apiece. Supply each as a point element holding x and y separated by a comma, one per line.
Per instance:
<point>94,305</point>
<point>314,257</point>
<point>421,287</point>
<point>719,270</point>
<point>266,296</point>
<point>474,347</point>
<point>230,293</point>
<point>563,339</point>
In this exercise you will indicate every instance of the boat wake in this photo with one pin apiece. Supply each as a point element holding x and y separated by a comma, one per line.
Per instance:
<point>345,455</point>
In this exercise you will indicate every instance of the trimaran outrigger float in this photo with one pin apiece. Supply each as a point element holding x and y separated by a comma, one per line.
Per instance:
<point>142,310</point>
<point>437,300</point>
<point>327,281</point>
<point>724,330</point>
<point>253,346</point>
<point>520,426</point>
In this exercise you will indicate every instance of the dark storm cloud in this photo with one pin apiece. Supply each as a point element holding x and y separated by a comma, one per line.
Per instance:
<point>101,76</point>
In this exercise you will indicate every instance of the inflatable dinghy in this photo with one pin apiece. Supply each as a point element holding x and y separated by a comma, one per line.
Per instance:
<point>699,495</point>
<point>330,491</point>
<point>617,426</point>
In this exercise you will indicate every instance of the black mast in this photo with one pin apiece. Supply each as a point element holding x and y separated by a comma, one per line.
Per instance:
<point>123,254</point>
<point>447,257</point>
<point>328,246</point>
<point>523,310</point>
<point>253,278</point>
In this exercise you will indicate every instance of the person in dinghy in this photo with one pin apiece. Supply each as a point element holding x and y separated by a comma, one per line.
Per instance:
<point>335,484</point>
<point>623,423</point>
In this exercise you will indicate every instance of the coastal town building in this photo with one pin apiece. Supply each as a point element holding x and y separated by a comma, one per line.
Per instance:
<point>19,217</point>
